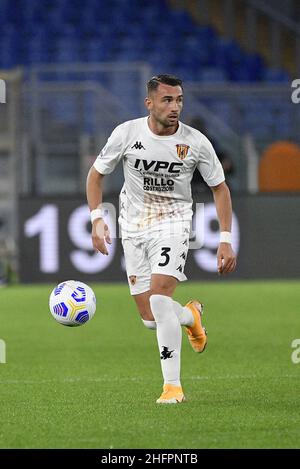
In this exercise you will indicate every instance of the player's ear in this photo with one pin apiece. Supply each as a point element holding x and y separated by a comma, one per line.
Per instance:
<point>148,103</point>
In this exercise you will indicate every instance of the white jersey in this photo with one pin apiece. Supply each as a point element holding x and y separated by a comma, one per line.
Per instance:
<point>158,170</point>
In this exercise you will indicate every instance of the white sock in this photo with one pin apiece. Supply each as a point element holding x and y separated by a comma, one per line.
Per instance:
<point>184,314</point>
<point>168,333</point>
<point>149,324</point>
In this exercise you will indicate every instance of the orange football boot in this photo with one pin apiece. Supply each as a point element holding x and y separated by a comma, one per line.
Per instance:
<point>171,395</point>
<point>196,333</point>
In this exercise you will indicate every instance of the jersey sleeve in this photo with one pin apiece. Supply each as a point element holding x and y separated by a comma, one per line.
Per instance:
<point>111,153</point>
<point>209,165</point>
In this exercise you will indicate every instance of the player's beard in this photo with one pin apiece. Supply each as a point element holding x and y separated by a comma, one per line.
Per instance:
<point>173,120</point>
<point>167,122</point>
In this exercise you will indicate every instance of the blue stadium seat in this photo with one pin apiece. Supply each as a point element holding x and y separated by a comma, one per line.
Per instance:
<point>181,21</point>
<point>184,73</point>
<point>276,76</point>
<point>66,50</point>
<point>9,51</point>
<point>10,34</point>
<point>197,52</point>
<point>36,57</point>
<point>8,60</point>
<point>205,34</point>
<point>35,51</point>
<point>212,75</point>
<point>127,30</point>
<point>95,50</point>
<point>138,31</point>
<point>254,65</point>
<point>32,11</point>
<point>41,36</point>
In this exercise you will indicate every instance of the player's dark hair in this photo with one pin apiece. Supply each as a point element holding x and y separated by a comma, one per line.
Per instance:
<point>165,79</point>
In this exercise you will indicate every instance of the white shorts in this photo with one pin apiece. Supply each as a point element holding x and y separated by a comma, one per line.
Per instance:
<point>147,256</point>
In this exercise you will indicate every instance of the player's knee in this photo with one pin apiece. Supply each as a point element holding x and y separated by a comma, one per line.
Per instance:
<point>164,289</point>
<point>162,285</point>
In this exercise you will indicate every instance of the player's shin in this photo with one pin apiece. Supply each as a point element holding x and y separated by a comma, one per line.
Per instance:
<point>168,332</point>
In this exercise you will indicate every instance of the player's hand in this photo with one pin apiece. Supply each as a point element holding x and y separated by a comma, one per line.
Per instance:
<point>226,259</point>
<point>100,236</point>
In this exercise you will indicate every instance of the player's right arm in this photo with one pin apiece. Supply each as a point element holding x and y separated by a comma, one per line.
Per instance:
<point>105,163</point>
<point>100,231</point>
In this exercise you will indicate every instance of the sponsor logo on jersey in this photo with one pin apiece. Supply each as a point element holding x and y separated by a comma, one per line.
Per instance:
<point>158,184</point>
<point>155,166</point>
<point>138,146</point>
<point>182,150</point>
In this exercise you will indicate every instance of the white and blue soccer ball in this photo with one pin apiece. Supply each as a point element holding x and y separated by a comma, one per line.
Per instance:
<point>72,303</point>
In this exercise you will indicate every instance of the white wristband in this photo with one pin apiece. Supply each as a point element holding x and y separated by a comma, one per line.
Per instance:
<point>96,213</point>
<point>225,237</point>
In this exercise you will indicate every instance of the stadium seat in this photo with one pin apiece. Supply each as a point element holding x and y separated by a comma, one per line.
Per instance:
<point>129,31</point>
<point>65,31</point>
<point>205,33</point>
<point>212,75</point>
<point>272,75</point>
<point>96,50</point>
<point>186,73</point>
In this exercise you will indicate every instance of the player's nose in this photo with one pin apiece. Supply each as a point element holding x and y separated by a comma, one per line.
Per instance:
<point>175,107</point>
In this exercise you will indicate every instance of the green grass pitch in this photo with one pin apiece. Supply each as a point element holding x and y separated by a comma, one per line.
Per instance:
<point>95,386</point>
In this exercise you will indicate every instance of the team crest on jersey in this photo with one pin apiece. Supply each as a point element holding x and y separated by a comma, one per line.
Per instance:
<point>182,151</point>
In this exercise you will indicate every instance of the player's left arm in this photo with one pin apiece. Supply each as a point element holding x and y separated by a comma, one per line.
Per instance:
<point>225,256</point>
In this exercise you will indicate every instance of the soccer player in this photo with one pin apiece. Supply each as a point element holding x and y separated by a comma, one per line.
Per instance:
<point>159,155</point>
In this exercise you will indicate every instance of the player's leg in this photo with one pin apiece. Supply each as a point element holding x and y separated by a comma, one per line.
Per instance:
<point>155,300</point>
<point>139,274</point>
<point>139,277</point>
<point>168,331</point>
<point>169,257</point>
<point>188,316</point>
<point>143,306</point>
<point>183,313</point>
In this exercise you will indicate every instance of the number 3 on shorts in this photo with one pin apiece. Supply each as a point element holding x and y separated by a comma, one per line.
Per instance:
<point>164,252</point>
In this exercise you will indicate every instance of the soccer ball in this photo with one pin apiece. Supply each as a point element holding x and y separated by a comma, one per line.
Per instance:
<point>72,303</point>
